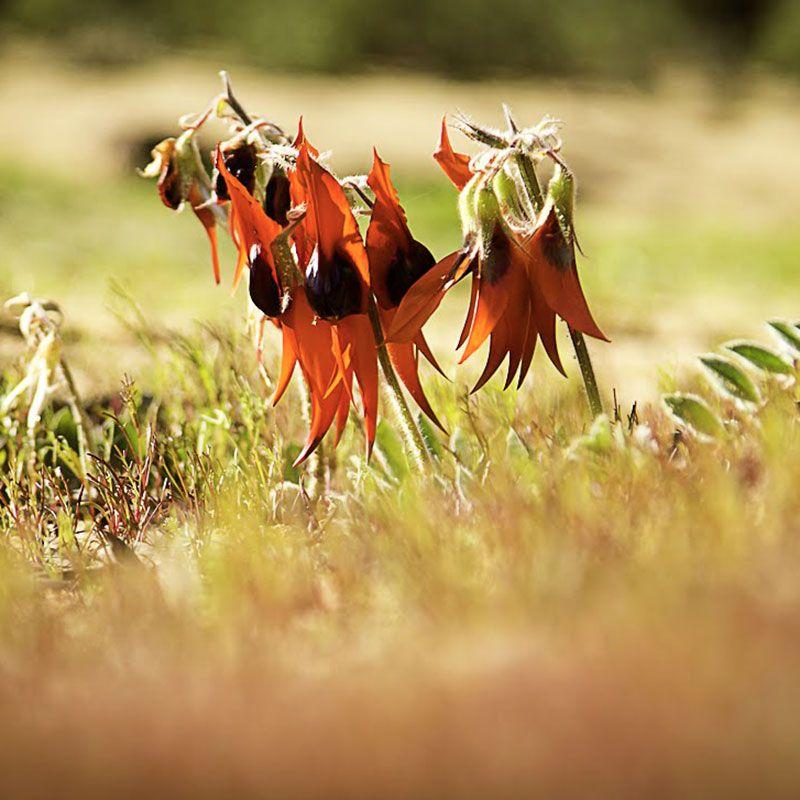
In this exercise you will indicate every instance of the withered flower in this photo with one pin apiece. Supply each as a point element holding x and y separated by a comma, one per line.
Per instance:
<point>182,179</point>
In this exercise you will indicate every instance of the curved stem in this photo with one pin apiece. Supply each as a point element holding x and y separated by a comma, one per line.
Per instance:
<point>315,464</point>
<point>415,441</point>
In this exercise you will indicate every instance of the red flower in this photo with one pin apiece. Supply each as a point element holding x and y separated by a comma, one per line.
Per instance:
<point>331,351</point>
<point>519,282</point>
<point>396,262</point>
<point>176,165</point>
<point>330,321</point>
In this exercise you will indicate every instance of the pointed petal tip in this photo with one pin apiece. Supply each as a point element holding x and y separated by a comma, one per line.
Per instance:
<point>307,450</point>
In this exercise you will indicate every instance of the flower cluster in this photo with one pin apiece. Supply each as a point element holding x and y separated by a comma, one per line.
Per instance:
<point>346,303</point>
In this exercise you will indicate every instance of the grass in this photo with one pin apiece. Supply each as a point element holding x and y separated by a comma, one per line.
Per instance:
<point>562,611</point>
<point>555,612</point>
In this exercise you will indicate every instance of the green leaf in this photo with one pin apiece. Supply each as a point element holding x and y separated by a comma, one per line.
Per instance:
<point>291,474</point>
<point>761,357</point>
<point>789,334</point>
<point>429,435</point>
<point>391,446</point>
<point>731,379</point>
<point>692,411</point>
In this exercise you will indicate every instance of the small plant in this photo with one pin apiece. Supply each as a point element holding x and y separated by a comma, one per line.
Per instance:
<point>741,381</point>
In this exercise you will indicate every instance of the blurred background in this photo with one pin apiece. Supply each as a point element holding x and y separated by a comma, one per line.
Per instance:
<point>680,115</point>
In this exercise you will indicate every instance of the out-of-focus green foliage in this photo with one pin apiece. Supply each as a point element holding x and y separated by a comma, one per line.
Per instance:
<point>460,38</point>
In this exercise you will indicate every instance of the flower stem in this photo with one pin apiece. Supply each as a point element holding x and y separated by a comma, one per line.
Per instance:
<point>587,372</point>
<point>315,464</point>
<point>76,409</point>
<point>415,441</point>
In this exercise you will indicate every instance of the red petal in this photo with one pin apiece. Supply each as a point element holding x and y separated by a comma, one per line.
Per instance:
<point>406,364</point>
<point>424,348</point>
<point>388,229</point>
<point>528,348</point>
<point>329,220</point>
<point>301,140</point>
<point>288,362</point>
<point>473,304</point>
<point>544,319</point>
<point>254,227</point>
<point>209,222</point>
<point>455,165</point>
<point>560,284</point>
<point>492,301</point>
<point>421,300</point>
<point>357,332</point>
<point>498,347</point>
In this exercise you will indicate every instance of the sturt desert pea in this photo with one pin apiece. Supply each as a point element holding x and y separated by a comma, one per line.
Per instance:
<point>309,275</point>
<point>396,262</point>
<point>334,338</point>
<point>263,177</point>
<point>521,260</point>
<point>281,293</point>
<point>182,178</point>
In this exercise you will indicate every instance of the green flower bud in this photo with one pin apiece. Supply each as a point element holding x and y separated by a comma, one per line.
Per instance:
<point>189,163</point>
<point>561,191</point>
<point>487,211</point>
<point>507,192</point>
<point>530,181</point>
<point>466,206</point>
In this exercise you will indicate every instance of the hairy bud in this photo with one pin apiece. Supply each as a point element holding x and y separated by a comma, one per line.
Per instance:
<point>561,191</point>
<point>466,207</point>
<point>507,193</point>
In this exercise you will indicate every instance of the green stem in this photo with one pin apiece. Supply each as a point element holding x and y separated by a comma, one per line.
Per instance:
<point>587,372</point>
<point>530,181</point>
<point>315,464</point>
<point>76,409</point>
<point>415,442</point>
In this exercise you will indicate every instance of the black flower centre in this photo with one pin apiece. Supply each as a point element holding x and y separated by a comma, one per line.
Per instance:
<point>406,269</point>
<point>333,286</point>
<point>277,199</point>
<point>557,250</point>
<point>496,255</point>
<point>170,186</point>
<point>241,163</point>
<point>264,291</point>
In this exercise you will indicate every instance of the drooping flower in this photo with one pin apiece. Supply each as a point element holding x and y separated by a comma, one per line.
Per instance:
<point>331,320</point>
<point>396,262</point>
<point>182,179</point>
<point>254,232</point>
<point>260,176</point>
<point>522,264</point>
<point>329,353</point>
